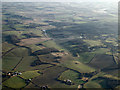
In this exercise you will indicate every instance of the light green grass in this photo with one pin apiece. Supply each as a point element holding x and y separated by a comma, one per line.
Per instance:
<point>112,41</point>
<point>15,82</point>
<point>25,64</point>
<point>104,35</point>
<point>20,52</point>
<point>30,74</point>
<point>34,47</point>
<point>78,66</point>
<point>51,43</point>
<point>102,51</point>
<point>71,75</point>
<point>94,42</point>
<point>80,22</point>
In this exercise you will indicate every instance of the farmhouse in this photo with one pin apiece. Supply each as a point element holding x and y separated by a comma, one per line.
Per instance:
<point>59,53</point>
<point>69,82</point>
<point>79,87</point>
<point>85,79</point>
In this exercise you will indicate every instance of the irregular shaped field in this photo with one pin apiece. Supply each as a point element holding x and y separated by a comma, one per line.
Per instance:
<point>49,75</point>
<point>71,75</point>
<point>49,58</point>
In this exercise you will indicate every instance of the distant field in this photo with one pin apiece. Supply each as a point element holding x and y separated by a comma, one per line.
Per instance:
<point>94,42</point>
<point>30,41</point>
<point>112,41</point>
<point>102,51</point>
<point>20,34</point>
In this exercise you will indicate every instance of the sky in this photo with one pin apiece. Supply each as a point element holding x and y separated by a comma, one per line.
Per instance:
<point>60,0</point>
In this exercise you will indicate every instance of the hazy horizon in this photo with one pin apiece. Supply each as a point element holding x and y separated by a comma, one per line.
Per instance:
<point>60,0</point>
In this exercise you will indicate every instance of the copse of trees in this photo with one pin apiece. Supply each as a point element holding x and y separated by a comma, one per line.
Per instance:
<point>12,39</point>
<point>36,62</point>
<point>45,51</point>
<point>30,35</point>
<point>34,25</point>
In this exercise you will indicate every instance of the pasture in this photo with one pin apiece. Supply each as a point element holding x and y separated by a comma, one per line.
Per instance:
<point>78,66</point>
<point>30,74</point>
<point>15,82</point>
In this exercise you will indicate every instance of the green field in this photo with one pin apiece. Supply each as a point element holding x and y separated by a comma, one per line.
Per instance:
<point>25,63</point>
<point>20,35</point>
<point>51,43</point>
<point>6,46</point>
<point>71,75</point>
<point>86,57</point>
<point>34,47</point>
<point>102,51</point>
<point>112,41</point>
<point>78,66</point>
<point>92,84</point>
<point>11,59</point>
<point>94,42</point>
<point>30,74</point>
<point>15,82</point>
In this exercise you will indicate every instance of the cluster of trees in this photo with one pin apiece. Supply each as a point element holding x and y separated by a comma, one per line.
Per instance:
<point>36,62</point>
<point>30,35</point>
<point>45,51</point>
<point>12,39</point>
<point>34,25</point>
